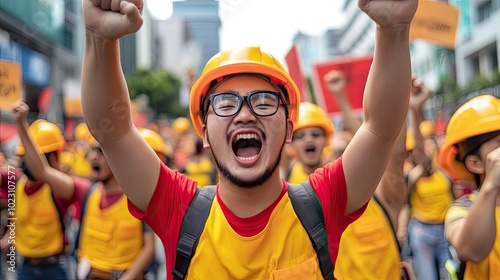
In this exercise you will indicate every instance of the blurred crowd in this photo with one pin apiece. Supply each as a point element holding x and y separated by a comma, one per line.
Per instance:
<point>55,181</point>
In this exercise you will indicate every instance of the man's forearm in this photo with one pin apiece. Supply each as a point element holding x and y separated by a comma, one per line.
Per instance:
<point>105,98</point>
<point>389,81</point>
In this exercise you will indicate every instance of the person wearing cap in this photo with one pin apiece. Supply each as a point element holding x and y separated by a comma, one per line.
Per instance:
<point>244,106</point>
<point>111,243</point>
<point>471,152</point>
<point>310,136</point>
<point>368,248</point>
<point>40,240</point>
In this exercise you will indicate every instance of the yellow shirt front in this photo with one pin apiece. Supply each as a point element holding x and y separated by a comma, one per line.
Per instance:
<point>431,197</point>
<point>285,254</point>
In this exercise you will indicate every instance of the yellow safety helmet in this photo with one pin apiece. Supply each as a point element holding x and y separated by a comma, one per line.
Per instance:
<point>82,132</point>
<point>427,129</point>
<point>181,125</point>
<point>154,140</point>
<point>311,115</point>
<point>46,135</point>
<point>477,116</point>
<point>241,60</point>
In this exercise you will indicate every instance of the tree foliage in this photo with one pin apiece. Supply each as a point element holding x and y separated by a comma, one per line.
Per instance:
<point>162,87</point>
<point>451,91</point>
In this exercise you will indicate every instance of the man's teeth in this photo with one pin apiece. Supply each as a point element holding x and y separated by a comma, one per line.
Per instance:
<point>247,136</point>
<point>247,158</point>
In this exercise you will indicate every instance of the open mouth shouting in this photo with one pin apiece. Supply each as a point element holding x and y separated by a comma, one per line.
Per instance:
<point>246,147</point>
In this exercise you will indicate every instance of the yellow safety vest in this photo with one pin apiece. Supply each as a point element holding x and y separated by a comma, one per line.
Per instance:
<point>111,238</point>
<point>297,174</point>
<point>368,248</point>
<point>200,171</point>
<point>285,254</point>
<point>38,226</point>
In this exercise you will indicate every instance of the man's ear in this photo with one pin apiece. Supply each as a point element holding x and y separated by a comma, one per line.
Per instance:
<point>289,132</point>
<point>204,133</point>
<point>474,164</point>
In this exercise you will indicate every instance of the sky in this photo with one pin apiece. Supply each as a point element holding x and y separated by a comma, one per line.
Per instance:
<point>272,24</point>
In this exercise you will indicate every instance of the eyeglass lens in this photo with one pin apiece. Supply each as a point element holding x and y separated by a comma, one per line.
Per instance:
<point>261,103</point>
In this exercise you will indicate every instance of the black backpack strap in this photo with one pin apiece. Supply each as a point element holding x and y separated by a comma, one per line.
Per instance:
<point>304,199</point>
<point>193,224</point>
<point>90,190</point>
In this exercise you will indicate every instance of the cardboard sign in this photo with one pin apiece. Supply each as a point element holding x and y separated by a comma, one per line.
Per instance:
<point>10,83</point>
<point>436,22</point>
<point>356,71</point>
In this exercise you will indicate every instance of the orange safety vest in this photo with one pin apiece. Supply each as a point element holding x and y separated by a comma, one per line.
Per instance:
<point>111,238</point>
<point>39,231</point>
<point>368,247</point>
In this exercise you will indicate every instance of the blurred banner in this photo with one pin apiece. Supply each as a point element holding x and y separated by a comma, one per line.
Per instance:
<point>356,71</point>
<point>72,99</point>
<point>10,83</point>
<point>294,64</point>
<point>436,22</point>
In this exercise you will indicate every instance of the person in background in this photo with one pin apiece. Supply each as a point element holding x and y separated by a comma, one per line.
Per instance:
<point>430,194</point>
<point>200,167</point>
<point>156,142</point>
<point>244,106</point>
<point>112,243</point>
<point>368,248</point>
<point>311,135</point>
<point>471,152</point>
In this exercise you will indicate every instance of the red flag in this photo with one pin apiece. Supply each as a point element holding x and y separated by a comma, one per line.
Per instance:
<point>356,71</point>
<point>295,70</point>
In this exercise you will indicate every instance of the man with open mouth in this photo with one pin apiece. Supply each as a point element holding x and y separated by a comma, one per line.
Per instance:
<point>245,106</point>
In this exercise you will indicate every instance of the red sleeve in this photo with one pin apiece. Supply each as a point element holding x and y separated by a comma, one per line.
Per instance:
<point>166,209</point>
<point>329,183</point>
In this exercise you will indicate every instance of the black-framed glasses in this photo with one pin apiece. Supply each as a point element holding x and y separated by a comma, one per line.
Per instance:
<point>314,134</point>
<point>261,103</point>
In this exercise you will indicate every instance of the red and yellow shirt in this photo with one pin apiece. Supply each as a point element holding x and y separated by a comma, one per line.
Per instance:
<point>280,241</point>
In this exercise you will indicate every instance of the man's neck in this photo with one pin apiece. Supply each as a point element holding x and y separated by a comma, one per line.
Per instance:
<point>247,202</point>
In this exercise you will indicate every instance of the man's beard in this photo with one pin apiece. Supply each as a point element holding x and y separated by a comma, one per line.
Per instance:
<point>238,181</point>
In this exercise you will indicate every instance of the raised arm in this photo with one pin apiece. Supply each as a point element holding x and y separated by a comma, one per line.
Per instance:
<point>61,183</point>
<point>385,103</point>
<point>391,190</point>
<point>336,82</point>
<point>105,99</point>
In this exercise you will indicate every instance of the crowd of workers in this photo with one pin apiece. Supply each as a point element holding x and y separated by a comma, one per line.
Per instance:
<point>389,196</point>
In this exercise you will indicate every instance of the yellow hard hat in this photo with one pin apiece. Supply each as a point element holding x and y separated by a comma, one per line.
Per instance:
<point>82,132</point>
<point>241,60</point>
<point>311,115</point>
<point>427,129</point>
<point>477,116</point>
<point>154,140</point>
<point>46,135</point>
<point>181,125</point>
